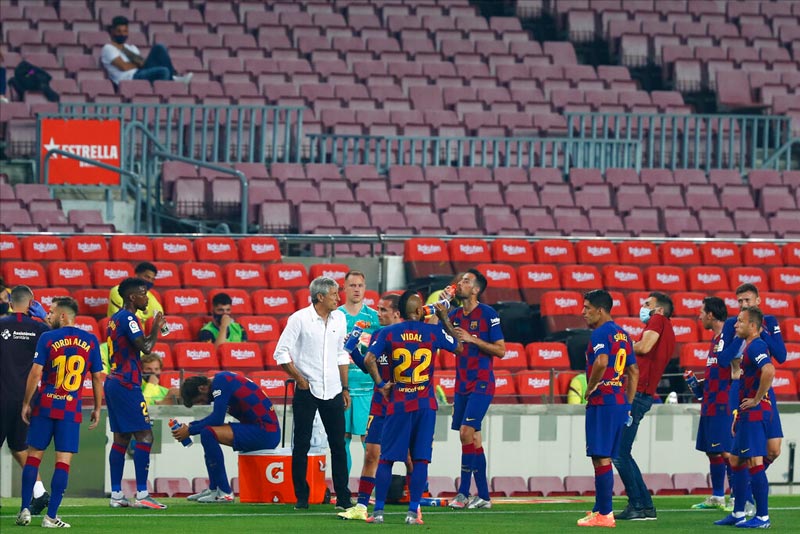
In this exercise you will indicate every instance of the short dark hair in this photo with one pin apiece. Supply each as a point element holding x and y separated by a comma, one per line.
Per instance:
<point>66,302</point>
<point>393,299</point>
<point>746,288</point>
<point>119,20</point>
<point>600,298</point>
<point>663,301</point>
<point>754,315</point>
<point>128,286</point>
<point>480,279</point>
<point>716,307</point>
<point>402,302</point>
<point>144,267</point>
<point>20,294</point>
<point>191,388</point>
<point>221,299</point>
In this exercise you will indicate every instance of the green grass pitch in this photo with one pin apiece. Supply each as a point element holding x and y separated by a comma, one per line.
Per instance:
<point>674,516</point>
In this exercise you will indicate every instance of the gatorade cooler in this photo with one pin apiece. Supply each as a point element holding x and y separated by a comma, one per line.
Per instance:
<point>266,477</point>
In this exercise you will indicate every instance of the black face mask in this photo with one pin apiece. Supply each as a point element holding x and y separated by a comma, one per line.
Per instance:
<point>217,317</point>
<point>119,39</point>
<point>4,307</point>
<point>146,376</point>
<point>149,285</point>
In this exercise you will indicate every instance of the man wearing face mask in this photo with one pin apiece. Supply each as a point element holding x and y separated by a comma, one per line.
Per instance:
<point>123,61</point>
<point>653,352</point>
<point>144,271</point>
<point>153,391</point>
<point>222,328</point>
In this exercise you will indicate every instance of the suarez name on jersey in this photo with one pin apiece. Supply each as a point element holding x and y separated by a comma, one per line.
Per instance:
<point>474,369</point>
<point>65,354</point>
<point>126,367</point>
<point>717,383</point>
<point>614,342</point>
<point>410,347</point>
<point>754,357</point>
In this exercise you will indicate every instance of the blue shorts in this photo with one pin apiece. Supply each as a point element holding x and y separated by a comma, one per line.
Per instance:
<point>750,439</point>
<point>774,428</point>
<point>127,410</point>
<point>355,417</point>
<point>714,434</point>
<point>248,438</point>
<point>65,434</point>
<point>375,429</point>
<point>404,432</point>
<point>469,410</point>
<point>604,424</point>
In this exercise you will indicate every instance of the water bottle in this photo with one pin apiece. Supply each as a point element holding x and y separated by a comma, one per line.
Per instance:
<point>433,501</point>
<point>175,425</point>
<point>352,340</point>
<point>165,329</point>
<point>693,383</point>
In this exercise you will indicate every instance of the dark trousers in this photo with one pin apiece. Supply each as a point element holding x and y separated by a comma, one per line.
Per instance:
<point>638,494</point>
<point>304,408</point>
<point>157,66</point>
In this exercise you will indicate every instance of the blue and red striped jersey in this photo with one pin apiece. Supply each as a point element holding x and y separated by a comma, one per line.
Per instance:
<point>240,397</point>
<point>717,383</point>
<point>65,354</point>
<point>123,328</point>
<point>610,339</point>
<point>754,357</point>
<point>409,348</point>
<point>474,369</point>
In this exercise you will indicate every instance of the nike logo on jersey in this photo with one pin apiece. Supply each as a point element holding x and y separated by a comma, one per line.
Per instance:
<point>743,451</point>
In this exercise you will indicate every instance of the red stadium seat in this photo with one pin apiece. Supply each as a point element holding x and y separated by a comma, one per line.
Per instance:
<point>131,248</point>
<point>287,276</point>
<point>172,487</point>
<point>514,358</point>
<point>86,248</point>
<point>467,253</point>
<point>619,303</point>
<point>240,356</point>
<point>665,278</point>
<point>603,252</point>
<point>623,278</point>
<point>371,298</point>
<point>579,484</point>
<point>693,483</point>
<point>501,283</point>
<point>111,273</point>
<point>445,360</point>
<point>194,355</point>
<point>87,391</point>
<point>707,278</point>
<point>46,295</point>
<point>172,379</point>
<point>512,251</point>
<point>167,274</point>
<point>240,300</point>
<point>635,301</point>
<point>537,279</point>
<point>163,351</point>
<point>88,324</point>
<point>337,271</point>
<point>91,301</point>
<point>178,329</point>
<point>273,383</point>
<point>685,330</point>
<point>547,355</point>
<point>175,249</point>
<point>43,248</point>
<point>748,275</point>
<point>302,298</point>
<point>10,248</point>
<point>731,302</point>
<point>426,256</point>
<point>447,381</point>
<point>534,387</point>
<point>580,277</point>
<point>694,355</point>
<point>687,304</point>
<point>720,253</point>
<point>777,304</point>
<point>259,249</point>
<point>510,485</point>
<point>562,384</point>
<point>273,302</point>
<point>791,254</point>
<point>201,274</point>
<point>184,302</point>
<point>761,254</point>
<point>268,350</point>
<point>546,485</point>
<point>562,310</point>
<point>505,392</point>
<point>790,329</point>
<point>632,325</point>
<point>637,252</point>
<point>786,279</point>
<point>679,253</point>
<point>792,356</point>
<point>69,273</point>
<point>554,251</point>
<point>259,328</point>
<point>660,484</point>
<point>784,385</point>
<point>216,249</point>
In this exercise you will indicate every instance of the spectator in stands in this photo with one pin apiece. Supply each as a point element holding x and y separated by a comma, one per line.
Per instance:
<point>653,352</point>
<point>222,321</point>
<point>153,391</point>
<point>145,271</point>
<point>123,61</point>
<point>577,390</point>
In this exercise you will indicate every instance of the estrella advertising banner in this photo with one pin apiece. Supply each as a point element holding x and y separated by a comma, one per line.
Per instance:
<point>89,138</point>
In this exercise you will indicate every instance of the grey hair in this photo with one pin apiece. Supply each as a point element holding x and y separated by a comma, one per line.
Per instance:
<point>321,285</point>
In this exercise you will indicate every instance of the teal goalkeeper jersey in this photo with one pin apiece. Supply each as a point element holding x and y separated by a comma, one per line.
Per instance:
<point>359,382</point>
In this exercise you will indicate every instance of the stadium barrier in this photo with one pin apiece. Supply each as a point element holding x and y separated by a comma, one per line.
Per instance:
<point>696,141</point>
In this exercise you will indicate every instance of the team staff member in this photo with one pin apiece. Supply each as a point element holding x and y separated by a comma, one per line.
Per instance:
<point>311,350</point>
<point>653,353</point>
<point>222,322</point>
<point>477,327</point>
<point>361,386</point>
<point>146,272</point>
<point>610,354</point>
<point>19,333</point>
<point>63,356</point>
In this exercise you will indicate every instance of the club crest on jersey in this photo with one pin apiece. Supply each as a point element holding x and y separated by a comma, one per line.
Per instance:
<point>473,325</point>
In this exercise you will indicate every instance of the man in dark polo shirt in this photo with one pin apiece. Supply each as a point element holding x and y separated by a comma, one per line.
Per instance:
<point>19,333</point>
<point>653,352</point>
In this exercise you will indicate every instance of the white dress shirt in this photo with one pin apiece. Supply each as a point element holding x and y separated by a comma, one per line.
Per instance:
<point>316,348</point>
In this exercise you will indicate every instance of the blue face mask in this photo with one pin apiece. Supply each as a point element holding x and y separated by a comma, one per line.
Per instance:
<point>644,314</point>
<point>3,308</point>
<point>119,39</point>
<point>148,285</point>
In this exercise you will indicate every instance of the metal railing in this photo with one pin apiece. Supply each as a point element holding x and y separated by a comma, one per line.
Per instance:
<point>386,151</point>
<point>697,141</point>
<point>214,133</point>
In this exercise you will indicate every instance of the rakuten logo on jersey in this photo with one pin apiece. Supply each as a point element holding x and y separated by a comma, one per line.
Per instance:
<point>218,248</point>
<point>564,302</point>
<point>175,248</point>
<point>115,274</point>
<point>513,250</point>
<point>598,251</point>
<point>186,301</point>
<point>133,247</point>
<point>25,273</point>
<point>550,354</point>
<point>708,278</point>
<point>427,250</point>
<point>764,253</point>
<point>625,276</point>
<point>555,251</point>
<point>87,248</point>
<point>471,250</point>
<point>718,252</point>
<point>198,354</point>
<point>259,328</point>
<point>274,302</point>
<point>290,275</point>
<point>203,274</point>
<point>790,279</point>
<point>71,273</point>
<point>44,247</point>
<point>665,278</point>
<point>496,276</point>
<point>243,354</point>
<point>538,383</point>
<point>538,277</point>
<point>246,274</point>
